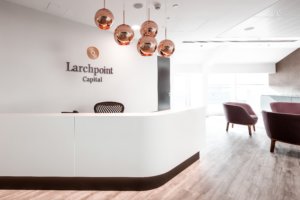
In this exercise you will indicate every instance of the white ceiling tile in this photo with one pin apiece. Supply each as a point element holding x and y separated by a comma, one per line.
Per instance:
<point>281,20</point>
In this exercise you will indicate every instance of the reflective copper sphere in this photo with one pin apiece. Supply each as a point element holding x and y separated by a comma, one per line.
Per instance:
<point>104,18</point>
<point>93,53</point>
<point>124,34</point>
<point>166,48</point>
<point>147,45</point>
<point>149,28</point>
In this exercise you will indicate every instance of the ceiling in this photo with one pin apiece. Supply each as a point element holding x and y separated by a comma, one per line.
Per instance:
<point>205,20</point>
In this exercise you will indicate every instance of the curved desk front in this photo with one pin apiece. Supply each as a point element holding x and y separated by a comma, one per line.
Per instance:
<point>98,151</point>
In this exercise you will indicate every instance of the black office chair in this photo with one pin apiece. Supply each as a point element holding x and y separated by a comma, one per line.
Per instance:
<point>109,107</point>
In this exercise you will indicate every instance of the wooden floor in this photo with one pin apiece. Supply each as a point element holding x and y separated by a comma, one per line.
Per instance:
<point>233,166</point>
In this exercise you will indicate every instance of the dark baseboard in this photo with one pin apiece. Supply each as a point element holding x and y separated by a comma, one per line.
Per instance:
<point>97,183</point>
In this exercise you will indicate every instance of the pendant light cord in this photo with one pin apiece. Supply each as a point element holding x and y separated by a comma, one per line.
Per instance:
<point>104,3</point>
<point>166,20</point>
<point>148,6</point>
<point>165,32</point>
<point>123,11</point>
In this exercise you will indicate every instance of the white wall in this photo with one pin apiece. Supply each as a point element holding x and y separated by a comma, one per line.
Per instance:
<point>34,49</point>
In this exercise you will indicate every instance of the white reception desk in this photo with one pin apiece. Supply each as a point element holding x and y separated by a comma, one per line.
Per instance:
<point>145,149</point>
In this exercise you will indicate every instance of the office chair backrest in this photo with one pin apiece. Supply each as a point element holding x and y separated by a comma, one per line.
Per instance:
<point>109,107</point>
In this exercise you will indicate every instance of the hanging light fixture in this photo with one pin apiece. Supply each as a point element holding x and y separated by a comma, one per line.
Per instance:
<point>166,47</point>
<point>104,18</point>
<point>123,33</point>
<point>147,44</point>
<point>149,27</point>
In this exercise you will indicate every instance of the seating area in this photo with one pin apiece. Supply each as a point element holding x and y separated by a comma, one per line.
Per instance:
<point>282,124</point>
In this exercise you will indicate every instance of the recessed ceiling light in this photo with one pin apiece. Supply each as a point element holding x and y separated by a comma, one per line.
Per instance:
<point>138,5</point>
<point>136,27</point>
<point>249,28</point>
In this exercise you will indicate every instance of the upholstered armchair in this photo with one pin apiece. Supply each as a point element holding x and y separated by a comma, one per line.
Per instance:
<point>240,113</point>
<point>286,107</point>
<point>283,123</point>
<point>282,127</point>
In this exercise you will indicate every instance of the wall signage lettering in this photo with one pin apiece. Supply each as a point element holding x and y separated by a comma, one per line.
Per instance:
<point>95,72</point>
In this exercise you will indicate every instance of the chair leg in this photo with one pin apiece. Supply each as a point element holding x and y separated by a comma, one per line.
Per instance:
<point>232,125</point>
<point>272,146</point>
<point>227,127</point>
<point>254,128</point>
<point>249,128</point>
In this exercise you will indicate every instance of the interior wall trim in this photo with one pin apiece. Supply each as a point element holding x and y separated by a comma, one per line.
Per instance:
<point>95,183</point>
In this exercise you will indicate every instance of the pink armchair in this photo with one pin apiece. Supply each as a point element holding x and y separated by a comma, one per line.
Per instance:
<point>286,107</point>
<point>283,124</point>
<point>282,127</point>
<point>240,113</point>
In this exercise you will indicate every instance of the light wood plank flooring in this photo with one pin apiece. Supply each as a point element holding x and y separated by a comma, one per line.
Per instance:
<point>233,166</point>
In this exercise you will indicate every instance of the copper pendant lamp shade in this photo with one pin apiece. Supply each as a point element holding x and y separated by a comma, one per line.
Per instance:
<point>124,34</point>
<point>166,48</point>
<point>104,18</point>
<point>149,28</point>
<point>147,45</point>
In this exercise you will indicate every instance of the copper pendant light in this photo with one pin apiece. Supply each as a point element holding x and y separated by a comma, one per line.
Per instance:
<point>123,33</point>
<point>147,46</point>
<point>149,28</point>
<point>104,18</point>
<point>166,47</point>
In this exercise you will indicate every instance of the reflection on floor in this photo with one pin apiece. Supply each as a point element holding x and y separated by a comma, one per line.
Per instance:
<point>233,166</point>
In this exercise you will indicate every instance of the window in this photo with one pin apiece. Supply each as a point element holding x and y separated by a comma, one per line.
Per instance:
<point>238,87</point>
